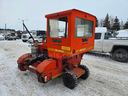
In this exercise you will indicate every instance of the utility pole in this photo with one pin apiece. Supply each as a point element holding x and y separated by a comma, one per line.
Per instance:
<point>5,26</point>
<point>5,31</point>
<point>22,20</point>
<point>23,25</point>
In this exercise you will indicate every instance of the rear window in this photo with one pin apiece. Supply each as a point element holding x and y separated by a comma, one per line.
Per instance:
<point>97,35</point>
<point>24,36</point>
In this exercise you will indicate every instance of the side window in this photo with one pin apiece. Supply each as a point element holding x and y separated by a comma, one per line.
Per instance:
<point>58,27</point>
<point>107,35</point>
<point>83,27</point>
<point>97,36</point>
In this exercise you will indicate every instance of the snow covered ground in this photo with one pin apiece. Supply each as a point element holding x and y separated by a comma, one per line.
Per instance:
<point>107,78</point>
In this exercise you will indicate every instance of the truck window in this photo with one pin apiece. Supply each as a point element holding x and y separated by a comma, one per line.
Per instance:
<point>97,35</point>
<point>107,35</point>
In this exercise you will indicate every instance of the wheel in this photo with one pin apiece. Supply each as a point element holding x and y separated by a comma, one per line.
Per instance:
<point>22,60</point>
<point>40,79</point>
<point>24,40</point>
<point>21,67</point>
<point>120,55</point>
<point>70,80</point>
<point>86,74</point>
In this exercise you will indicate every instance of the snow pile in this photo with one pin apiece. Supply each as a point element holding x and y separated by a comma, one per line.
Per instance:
<point>122,33</point>
<point>101,29</point>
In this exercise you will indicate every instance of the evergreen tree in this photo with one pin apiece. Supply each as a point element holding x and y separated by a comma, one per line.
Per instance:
<point>126,25</point>
<point>116,25</point>
<point>107,22</point>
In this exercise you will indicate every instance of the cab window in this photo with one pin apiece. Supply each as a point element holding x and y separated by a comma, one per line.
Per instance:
<point>84,28</point>
<point>58,27</point>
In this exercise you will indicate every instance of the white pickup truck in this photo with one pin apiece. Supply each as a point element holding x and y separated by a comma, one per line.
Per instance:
<point>117,47</point>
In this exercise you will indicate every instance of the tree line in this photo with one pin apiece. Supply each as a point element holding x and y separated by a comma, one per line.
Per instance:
<point>112,24</point>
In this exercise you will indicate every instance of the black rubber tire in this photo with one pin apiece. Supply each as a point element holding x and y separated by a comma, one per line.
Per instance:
<point>21,67</point>
<point>120,55</point>
<point>70,80</point>
<point>87,72</point>
<point>40,79</point>
<point>24,40</point>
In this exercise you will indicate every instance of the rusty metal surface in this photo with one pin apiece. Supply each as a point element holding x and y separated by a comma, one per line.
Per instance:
<point>78,71</point>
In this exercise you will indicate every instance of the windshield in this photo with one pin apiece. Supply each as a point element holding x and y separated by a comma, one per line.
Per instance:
<point>58,27</point>
<point>83,28</point>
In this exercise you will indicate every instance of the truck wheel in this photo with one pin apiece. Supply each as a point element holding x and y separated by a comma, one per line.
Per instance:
<point>70,80</point>
<point>24,40</point>
<point>120,55</point>
<point>86,74</point>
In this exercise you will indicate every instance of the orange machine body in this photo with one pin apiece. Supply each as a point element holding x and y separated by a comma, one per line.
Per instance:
<point>70,45</point>
<point>65,49</point>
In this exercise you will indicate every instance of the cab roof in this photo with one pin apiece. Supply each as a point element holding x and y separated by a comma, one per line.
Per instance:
<point>67,12</point>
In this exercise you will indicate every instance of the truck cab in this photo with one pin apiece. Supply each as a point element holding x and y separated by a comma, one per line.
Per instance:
<point>106,43</point>
<point>101,36</point>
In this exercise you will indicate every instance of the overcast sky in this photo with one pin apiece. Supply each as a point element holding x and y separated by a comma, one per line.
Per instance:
<point>12,12</point>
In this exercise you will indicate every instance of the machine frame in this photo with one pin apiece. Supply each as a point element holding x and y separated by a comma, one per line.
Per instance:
<point>69,35</point>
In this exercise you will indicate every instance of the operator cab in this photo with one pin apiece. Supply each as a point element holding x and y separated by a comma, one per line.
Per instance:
<point>69,32</point>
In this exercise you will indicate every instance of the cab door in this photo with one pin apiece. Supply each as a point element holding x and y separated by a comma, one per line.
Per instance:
<point>98,42</point>
<point>57,36</point>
